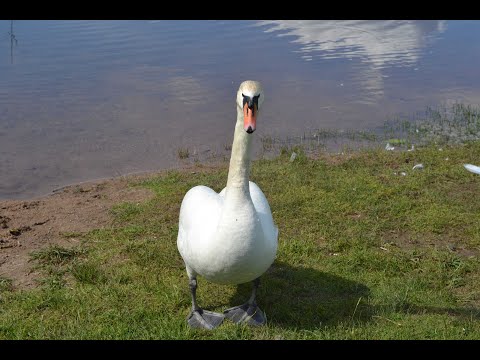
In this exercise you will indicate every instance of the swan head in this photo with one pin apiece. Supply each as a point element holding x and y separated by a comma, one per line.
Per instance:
<point>249,100</point>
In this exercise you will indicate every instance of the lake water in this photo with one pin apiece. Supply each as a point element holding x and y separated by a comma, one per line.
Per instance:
<point>82,100</point>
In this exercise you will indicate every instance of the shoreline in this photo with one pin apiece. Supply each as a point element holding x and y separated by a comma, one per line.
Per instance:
<point>268,148</point>
<point>62,217</point>
<point>442,126</point>
<point>133,174</point>
<point>56,219</point>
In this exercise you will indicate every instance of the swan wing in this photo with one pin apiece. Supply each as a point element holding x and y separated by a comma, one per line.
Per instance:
<point>264,212</point>
<point>199,214</point>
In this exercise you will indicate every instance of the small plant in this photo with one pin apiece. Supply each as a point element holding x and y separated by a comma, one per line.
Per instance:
<point>88,273</point>
<point>78,190</point>
<point>268,143</point>
<point>55,255</point>
<point>71,234</point>
<point>183,153</point>
<point>5,284</point>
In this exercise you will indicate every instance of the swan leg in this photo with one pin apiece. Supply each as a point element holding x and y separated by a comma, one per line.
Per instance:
<point>199,318</point>
<point>248,313</point>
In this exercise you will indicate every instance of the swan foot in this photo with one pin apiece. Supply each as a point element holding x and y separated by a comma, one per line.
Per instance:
<point>203,319</point>
<point>249,314</point>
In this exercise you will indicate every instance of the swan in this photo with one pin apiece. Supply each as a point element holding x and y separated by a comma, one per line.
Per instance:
<point>230,237</point>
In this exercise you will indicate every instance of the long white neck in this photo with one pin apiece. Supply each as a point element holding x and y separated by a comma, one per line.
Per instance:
<point>239,171</point>
<point>239,223</point>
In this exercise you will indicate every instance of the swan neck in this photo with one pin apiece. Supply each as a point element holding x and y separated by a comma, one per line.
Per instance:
<point>239,171</point>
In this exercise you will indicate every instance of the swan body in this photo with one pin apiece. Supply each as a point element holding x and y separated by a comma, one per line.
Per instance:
<point>230,237</point>
<point>227,242</point>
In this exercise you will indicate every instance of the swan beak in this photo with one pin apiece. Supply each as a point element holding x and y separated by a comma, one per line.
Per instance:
<point>250,117</point>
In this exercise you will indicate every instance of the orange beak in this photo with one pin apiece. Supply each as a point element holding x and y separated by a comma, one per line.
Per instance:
<point>250,118</point>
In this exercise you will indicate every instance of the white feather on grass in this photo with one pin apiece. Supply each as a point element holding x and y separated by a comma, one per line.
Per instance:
<point>472,168</point>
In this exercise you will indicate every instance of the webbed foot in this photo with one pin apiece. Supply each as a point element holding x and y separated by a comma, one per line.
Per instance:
<point>249,314</point>
<point>203,319</point>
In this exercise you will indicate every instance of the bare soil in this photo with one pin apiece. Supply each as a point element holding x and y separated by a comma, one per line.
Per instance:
<point>57,219</point>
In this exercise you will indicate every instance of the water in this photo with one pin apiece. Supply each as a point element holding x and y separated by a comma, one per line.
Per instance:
<point>82,100</point>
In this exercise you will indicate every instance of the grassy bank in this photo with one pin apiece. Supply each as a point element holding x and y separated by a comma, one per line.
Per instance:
<point>364,253</point>
<point>444,125</point>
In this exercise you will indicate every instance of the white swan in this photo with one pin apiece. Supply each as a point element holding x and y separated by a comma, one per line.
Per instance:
<point>230,237</point>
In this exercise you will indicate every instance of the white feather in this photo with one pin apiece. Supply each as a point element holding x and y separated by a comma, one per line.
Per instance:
<point>472,168</point>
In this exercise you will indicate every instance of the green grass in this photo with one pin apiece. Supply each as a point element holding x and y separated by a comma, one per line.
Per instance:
<point>454,124</point>
<point>443,125</point>
<point>364,253</point>
<point>5,284</point>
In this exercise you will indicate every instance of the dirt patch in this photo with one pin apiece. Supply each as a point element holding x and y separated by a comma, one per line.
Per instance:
<point>58,219</point>
<point>405,240</point>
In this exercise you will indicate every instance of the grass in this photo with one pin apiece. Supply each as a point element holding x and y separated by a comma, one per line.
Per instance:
<point>444,125</point>
<point>5,284</point>
<point>453,124</point>
<point>314,140</point>
<point>363,254</point>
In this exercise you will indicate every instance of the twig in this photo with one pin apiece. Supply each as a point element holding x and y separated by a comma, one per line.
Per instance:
<point>356,306</point>
<point>41,222</point>
<point>384,318</point>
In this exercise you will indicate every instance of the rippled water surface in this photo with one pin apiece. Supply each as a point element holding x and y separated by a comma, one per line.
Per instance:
<point>81,100</point>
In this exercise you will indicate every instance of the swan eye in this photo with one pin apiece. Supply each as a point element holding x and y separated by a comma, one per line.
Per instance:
<point>250,101</point>
<point>255,99</point>
<point>247,100</point>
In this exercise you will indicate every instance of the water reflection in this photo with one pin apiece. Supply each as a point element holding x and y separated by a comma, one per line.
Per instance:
<point>381,43</point>
<point>373,45</point>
